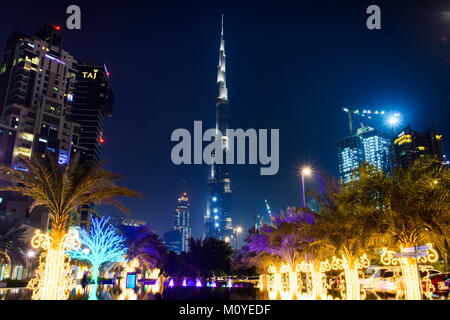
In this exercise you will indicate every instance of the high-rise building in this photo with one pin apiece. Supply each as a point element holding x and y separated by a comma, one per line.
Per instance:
<point>369,145</point>
<point>37,83</point>
<point>410,145</point>
<point>177,239</point>
<point>47,108</point>
<point>217,220</point>
<point>182,221</point>
<point>313,205</point>
<point>93,102</point>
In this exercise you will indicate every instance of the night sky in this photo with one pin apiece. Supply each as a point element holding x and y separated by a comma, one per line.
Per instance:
<point>291,65</point>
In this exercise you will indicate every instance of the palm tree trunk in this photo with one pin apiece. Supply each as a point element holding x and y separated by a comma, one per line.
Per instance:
<point>352,286</point>
<point>411,279</point>
<point>318,290</point>
<point>52,281</point>
<point>293,285</point>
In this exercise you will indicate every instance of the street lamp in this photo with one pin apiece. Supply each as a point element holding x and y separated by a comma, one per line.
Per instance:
<point>306,171</point>
<point>237,231</point>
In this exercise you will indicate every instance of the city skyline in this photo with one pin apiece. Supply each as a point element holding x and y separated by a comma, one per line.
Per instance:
<point>275,82</point>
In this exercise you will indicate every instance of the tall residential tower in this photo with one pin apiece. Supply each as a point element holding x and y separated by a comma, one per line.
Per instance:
<point>49,105</point>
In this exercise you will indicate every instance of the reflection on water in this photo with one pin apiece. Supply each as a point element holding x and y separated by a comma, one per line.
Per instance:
<point>155,292</point>
<point>146,292</point>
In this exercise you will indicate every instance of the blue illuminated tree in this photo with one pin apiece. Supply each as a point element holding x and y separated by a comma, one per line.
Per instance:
<point>101,244</point>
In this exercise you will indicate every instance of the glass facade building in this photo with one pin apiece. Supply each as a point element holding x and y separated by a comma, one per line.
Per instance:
<point>410,145</point>
<point>367,145</point>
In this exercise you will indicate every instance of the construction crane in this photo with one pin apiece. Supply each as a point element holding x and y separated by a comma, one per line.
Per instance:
<point>393,119</point>
<point>259,219</point>
<point>269,211</point>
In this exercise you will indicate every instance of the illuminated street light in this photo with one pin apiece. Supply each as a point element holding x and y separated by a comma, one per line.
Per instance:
<point>227,239</point>
<point>237,230</point>
<point>306,171</point>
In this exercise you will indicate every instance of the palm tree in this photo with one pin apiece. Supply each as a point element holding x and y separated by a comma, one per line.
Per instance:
<point>62,190</point>
<point>409,208</point>
<point>281,244</point>
<point>12,244</point>
<point>341,231</point>
<point>145,246</point>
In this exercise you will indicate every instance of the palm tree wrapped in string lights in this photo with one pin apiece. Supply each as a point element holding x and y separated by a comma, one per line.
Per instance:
<point>62,189</point>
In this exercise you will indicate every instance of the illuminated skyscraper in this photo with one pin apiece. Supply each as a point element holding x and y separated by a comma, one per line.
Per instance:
<point>217,219</point>
<point>37,84</point>
<point>93,102</point>
<point>369,145</point>
<point>48,107</point>
<point>410,145</point>
<point>177,239</point>
<point>182,221</point>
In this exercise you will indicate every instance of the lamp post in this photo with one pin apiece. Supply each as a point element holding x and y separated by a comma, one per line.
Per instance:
<point>306,171</point>
<point>237,231</point>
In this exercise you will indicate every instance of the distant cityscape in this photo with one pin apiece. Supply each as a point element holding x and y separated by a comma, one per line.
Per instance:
<point>53,103</point>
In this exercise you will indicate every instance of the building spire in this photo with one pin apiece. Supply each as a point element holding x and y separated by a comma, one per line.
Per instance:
<point>221,75</point>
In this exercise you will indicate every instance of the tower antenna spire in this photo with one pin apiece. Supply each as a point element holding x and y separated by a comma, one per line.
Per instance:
<point>221,73</point>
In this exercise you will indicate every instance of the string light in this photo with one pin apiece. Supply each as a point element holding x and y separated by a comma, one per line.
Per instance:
<point>101,244</point>
<point>53,276</point>
<point>410,273</point>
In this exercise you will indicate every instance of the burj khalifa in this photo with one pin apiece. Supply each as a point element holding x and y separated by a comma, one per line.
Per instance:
<point>218,223</point>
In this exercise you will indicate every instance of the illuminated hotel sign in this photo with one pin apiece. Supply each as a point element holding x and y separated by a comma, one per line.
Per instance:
<point>90,75</point>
